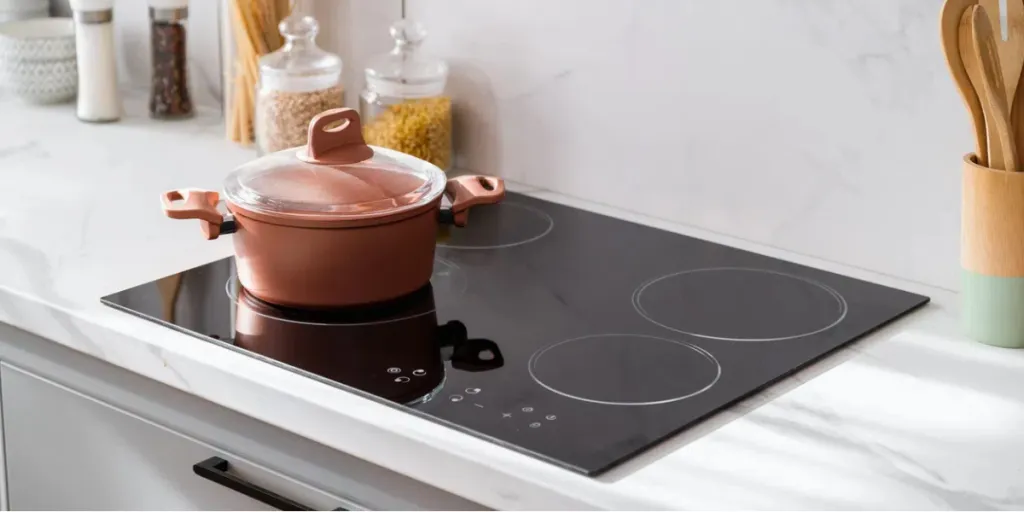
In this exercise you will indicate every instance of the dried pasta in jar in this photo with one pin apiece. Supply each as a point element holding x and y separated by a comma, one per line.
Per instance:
<point>403,106</point>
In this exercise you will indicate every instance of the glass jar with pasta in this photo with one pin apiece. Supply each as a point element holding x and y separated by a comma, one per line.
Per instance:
<point>403,105</point>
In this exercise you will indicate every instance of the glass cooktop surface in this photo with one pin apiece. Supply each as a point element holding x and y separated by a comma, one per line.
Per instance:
<point>571,336</point>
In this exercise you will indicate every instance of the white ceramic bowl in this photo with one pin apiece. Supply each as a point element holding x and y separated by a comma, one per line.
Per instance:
<point>38,39</point>
<point>8,15</point>
<point>23,5</point>
<point>53,81</point>
<point>37,59</point>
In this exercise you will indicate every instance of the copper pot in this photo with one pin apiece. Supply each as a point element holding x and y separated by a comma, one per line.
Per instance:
<point>334,223</point>
<point>395,350</point>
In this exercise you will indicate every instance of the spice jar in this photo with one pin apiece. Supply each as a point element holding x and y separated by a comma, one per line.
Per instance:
<point>403,105</point>
<point>297,82</point>
<point>99,100</point>
<point>169,96</point>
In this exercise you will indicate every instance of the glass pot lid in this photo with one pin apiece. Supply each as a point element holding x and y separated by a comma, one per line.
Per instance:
<point>335,176</point>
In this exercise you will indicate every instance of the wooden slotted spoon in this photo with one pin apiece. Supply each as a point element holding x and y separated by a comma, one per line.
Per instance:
<point>949,29</point>
<point>1011,60</point>
<point>981,59</point>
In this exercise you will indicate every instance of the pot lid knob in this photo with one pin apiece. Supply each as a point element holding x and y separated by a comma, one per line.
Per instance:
<point>330,143</point>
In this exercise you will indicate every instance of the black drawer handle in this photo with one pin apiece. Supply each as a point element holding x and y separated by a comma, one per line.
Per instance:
<point>215,469</point>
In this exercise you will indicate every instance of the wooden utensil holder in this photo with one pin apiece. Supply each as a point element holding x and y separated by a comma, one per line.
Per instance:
<point>992,255</point>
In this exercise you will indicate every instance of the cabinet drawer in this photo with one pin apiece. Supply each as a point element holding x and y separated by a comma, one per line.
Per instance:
<point>65,450</point>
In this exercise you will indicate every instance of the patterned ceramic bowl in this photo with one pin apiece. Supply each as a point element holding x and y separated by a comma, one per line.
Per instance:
<point>37,59</point>
<point>53,81</point>
<point>37,39</point>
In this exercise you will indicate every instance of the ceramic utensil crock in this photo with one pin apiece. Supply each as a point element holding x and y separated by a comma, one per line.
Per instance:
<point>992,254</point>
<point>334,223</point>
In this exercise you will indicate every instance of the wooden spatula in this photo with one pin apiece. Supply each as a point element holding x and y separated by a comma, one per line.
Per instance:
<point>949,29</point>
<point>1011,58</point>
<point>981,59</point>
<point>1011,50</point>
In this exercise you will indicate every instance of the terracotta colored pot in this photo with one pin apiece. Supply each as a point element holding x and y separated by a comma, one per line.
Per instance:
<point>394,350</point>
<point>335,223</point>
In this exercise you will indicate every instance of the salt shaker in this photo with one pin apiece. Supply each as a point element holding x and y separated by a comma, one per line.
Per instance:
<point>98,98</point>
<point>169,95</point>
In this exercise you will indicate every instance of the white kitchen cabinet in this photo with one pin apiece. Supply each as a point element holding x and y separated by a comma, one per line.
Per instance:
<point>81,433</point>
<point>66,451</point>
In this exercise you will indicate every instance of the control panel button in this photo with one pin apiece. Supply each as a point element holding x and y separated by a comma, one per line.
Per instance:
<point>472,391</point>
<point>506,415</point>
<point>394,370</point>
<point>551,417</point>
<point>527,409</point>
<point>455,398</point>
<point>535,425</point>
<point>419,372</point>
<point>403,379</point>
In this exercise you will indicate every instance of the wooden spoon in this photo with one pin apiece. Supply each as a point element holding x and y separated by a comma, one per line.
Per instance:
<point>949,29</point>
<point>1011,58</point>
<point>981,60</point>
<point>1011,50</point>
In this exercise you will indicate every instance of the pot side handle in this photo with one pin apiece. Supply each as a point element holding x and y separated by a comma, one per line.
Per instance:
<point>468,191</point>
<point>195,204</point>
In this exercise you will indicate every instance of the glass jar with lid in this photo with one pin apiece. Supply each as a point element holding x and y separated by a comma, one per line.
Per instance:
<point>297,82</point>
<point>403,105</point>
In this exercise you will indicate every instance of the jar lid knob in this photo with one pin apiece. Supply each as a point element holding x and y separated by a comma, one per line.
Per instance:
<point>408,33</point>
<point>331,143</point>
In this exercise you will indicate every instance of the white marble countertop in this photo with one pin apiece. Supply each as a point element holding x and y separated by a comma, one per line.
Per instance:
<point>913,416</point>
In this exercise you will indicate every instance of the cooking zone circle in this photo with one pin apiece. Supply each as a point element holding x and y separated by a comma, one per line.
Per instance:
<point>625,369</point>
<point>740,304</point>
<point>499,227</point>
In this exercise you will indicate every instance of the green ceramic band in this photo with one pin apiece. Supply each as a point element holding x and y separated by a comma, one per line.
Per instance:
<point>993,309</point>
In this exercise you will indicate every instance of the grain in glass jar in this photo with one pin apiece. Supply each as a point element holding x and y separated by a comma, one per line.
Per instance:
<point>403,105</point>
<point>169,96</point>
<point>297,82</point>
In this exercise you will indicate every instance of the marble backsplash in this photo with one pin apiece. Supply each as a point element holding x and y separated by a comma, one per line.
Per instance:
<point>825,127</point>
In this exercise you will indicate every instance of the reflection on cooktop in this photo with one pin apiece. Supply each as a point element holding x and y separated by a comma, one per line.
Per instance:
<point>570,336</point>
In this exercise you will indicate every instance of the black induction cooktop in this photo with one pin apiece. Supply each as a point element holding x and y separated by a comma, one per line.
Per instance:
<point>571,336</point>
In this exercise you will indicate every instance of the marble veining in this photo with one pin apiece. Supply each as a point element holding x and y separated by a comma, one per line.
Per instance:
<point>913,416</point>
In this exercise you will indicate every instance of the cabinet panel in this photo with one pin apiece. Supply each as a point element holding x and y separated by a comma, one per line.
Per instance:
<point>68,451</point>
